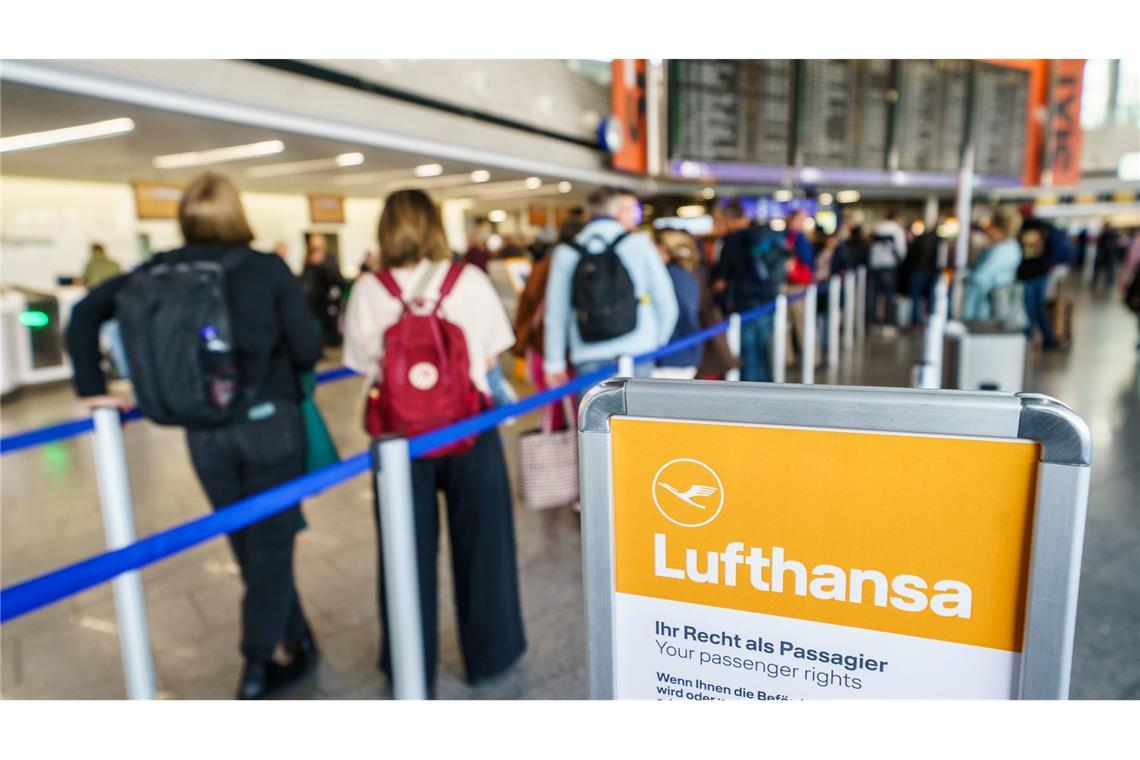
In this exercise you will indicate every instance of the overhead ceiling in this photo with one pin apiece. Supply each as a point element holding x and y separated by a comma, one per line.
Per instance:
<point>130,156</point>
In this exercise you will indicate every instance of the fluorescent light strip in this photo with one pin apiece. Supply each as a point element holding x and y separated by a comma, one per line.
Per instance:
<point>93,131</point>
<point>372,178</point>
<point>428,170</point>
<point>304,167</point>
<point>219,155</point>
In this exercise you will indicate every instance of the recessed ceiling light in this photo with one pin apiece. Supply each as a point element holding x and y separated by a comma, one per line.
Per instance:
<point>219,155</point>
<point>782,195</point>
<point>847,196</point>
<point>708,193</point>
<point>78,133</point>
<point>302,167</point>
<point>779,225</point>
<point>825,199</point>
<point>480,175</point>
<point>565,187</point>
<point>691,211</point>
<point>533,183</point>
<point>498,215</point>
<point>428,170</point>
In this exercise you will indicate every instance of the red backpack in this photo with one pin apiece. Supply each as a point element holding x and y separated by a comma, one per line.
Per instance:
<point>425,381</point>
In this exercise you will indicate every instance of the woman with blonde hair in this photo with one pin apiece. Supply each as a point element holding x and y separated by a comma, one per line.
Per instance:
<point>262,442</point>
<point>419,278</point>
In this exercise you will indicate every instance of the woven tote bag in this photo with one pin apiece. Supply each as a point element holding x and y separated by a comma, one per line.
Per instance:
<point>548,463</point>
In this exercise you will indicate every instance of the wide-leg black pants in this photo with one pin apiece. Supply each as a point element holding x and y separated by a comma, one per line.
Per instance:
<point>239,460</point>
<point>483,562</point>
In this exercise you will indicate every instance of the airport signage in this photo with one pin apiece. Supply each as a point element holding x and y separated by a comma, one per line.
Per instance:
<point>735,551</point>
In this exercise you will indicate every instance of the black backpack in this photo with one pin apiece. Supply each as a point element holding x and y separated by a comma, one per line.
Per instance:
<point>602,293</point>
<point>178,337</point>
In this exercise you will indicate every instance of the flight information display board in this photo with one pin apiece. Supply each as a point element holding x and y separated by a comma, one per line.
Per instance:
<point>845,113</point>
<point>932,113</point>
<point>1001,100</point>
<point>731,110</point>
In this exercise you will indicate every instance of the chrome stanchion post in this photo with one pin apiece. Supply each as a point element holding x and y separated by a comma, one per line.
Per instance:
<point>861,302</point>
<point>392,468</point>
<point>780,340</point>
<point>119,527</point>
<point>849,309</point>
<point>834,296</point>
<point>807,375</point>
<point>625,366</point>
<point>733,337</point>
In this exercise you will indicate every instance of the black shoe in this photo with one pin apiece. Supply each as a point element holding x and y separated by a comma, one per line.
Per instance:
<point>303,654</point>
<point>255,680</point>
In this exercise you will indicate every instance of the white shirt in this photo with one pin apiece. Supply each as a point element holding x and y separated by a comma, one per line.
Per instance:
<point>883,259</point>
<point>473,305</point>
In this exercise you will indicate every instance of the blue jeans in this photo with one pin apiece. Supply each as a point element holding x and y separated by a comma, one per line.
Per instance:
<point>755,339</point>
<point>882,283</point>
<point>1035,309</point>
<point>921,281</point>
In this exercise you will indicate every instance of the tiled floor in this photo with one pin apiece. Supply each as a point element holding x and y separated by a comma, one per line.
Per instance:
<point>50,516</point>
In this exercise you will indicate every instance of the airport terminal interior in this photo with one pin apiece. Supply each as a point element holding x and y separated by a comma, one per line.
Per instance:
<point>823,153</point>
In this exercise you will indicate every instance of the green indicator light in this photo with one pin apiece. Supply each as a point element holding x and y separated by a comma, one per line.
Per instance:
<point>34,319</point>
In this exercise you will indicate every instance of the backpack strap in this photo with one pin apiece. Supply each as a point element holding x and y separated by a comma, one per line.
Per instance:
<point>448,283</point>
<point>610,246</point>
<point>389,282</point>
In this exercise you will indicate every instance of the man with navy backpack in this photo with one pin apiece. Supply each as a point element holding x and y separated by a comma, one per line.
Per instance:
<point>752,264</point>
<point>609,293</point>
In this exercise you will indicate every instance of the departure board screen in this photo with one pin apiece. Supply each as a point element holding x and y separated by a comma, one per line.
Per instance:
<point>845,113</point>
<point>827,129</point>
<point>1001,100</point>
<point>731,110</point>
<point>932,113</point>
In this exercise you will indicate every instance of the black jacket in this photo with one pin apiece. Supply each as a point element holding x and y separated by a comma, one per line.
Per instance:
<point>274,334</point>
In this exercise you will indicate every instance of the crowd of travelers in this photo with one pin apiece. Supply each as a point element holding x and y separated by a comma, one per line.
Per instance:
<point>222,340</point>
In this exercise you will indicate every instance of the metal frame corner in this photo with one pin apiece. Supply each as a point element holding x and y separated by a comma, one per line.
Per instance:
<point>601,402</point>
<point>1062,433</point>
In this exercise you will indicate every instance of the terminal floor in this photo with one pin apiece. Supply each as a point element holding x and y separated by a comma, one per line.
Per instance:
<point>50,516</point>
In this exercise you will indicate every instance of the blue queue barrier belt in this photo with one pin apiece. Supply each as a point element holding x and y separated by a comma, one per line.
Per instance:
<point>35,593</point>
<point>64,430</point>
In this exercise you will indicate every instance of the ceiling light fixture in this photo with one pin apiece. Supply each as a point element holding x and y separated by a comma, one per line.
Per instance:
<point>691,211</point>
<point>93,131</point>
<point>428,170</point>
<point>498,215</point>
<point>825,199</point>
<point>218,155</point>
<point>708,193</point>
<point>783,196</point>
<point>847,196</point>
<point>303,167</point>
<point>480,175</point>
<point>533,183</point>
<point>565,187</point>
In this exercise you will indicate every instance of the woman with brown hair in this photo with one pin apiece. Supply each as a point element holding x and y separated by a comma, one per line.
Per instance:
<point>417,264</point>
<point>262,442</point>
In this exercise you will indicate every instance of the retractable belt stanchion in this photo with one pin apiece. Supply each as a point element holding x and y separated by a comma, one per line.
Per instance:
<point>780,340</point>
<point>807,375</point>
<point>625,366</point>
<point>733,338</point>
<point>833,301</point>
<point>849,309</point>
<point>930,371</point>
<point>392,468</point>
<point>119,526</point>
<point>861,302</point>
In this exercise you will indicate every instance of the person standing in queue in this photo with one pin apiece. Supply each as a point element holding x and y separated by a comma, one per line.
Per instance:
<point>416,264</point>
<point>608,293</point>
<point>324,286</point>
<point>262,442</point>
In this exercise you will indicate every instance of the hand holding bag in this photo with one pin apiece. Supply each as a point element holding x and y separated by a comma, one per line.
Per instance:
<point>548,462</point>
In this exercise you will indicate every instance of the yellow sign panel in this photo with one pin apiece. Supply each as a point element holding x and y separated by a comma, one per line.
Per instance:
<point>905,534</point>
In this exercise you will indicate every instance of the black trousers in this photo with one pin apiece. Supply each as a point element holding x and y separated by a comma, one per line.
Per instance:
<point>239,460</point>
<point>483,564</point>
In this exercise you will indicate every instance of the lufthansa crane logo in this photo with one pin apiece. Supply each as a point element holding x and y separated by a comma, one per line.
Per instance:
<point>688,493</point>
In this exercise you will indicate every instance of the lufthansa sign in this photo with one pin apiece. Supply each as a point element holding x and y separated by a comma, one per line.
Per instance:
<point>775,560</point>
